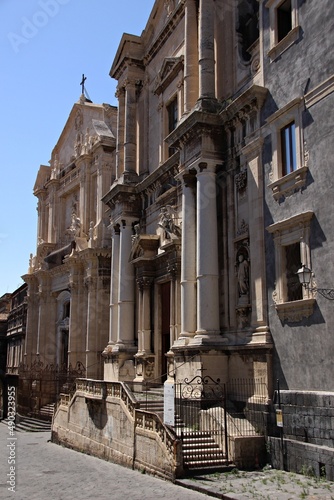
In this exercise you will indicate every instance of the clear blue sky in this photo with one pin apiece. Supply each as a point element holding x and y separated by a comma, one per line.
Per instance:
<point>45,47</point>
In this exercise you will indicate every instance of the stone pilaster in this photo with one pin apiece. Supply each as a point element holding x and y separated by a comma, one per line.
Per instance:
<point>120,94</point>
<point>259,320</point>
<point>130,146</point>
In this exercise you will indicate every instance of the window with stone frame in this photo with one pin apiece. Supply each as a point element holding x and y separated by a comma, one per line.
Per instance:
<point>284,19</point>
<point>289,157</point>
<point>292,264</point>
<point>292,249</point>
<point>288,148</point>
<point>284,27</point>
<point>172,119</point>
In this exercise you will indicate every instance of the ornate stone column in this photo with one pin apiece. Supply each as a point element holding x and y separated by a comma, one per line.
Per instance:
<point>191,56</point>
<point>130,143</point>
<point>206,49</point>
<point>188,259</point>
<point>120,94</point>
<point>207,254</point>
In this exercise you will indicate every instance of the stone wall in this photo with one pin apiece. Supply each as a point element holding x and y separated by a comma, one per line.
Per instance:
<point>307,441</point>
<point>107,427</point>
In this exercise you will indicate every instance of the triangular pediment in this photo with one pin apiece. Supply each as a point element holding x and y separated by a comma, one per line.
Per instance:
<point>168,71</point>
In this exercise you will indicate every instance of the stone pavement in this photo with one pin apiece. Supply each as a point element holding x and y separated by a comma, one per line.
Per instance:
<point>45,471</point>
<point>263,484</point>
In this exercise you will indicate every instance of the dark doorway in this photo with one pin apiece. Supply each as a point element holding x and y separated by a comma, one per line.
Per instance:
<point>64,348</point>
<point>165,327</point>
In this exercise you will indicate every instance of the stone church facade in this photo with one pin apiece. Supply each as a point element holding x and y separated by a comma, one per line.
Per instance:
<point>174,230</point>
<point>69,277</point>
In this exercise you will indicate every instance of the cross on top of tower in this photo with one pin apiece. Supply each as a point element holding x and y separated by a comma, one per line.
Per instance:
<point>84,78</point>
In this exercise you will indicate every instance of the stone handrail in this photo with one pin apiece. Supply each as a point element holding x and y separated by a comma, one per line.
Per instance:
<point>148,421</point>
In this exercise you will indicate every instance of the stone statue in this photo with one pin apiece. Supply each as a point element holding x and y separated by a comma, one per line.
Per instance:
<point>166,221</point>
<point>243,275</point>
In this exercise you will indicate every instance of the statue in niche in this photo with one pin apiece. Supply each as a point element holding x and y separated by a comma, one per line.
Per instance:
<point>242,273</point>
<point>167,222</point>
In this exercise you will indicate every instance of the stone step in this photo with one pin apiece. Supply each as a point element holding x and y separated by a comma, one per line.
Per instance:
<point>30,424</point>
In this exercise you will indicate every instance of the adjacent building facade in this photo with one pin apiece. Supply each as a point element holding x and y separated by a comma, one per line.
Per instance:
<point>215,175</point>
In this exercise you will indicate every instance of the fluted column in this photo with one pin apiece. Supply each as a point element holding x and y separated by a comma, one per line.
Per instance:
<point>130,145</point>
<point>120,94</point>
<point>207,253</point>
<point>126,284</point>
<point>188,258</point>
<point>206,49</point>
<point>191,56</point>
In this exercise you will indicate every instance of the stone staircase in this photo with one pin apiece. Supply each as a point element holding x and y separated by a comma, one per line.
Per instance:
<point>152,400</point>
<point>200,452</point>
<point>30,424</point>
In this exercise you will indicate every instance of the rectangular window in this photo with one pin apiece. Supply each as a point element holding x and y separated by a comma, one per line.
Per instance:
<point>288,148</point>
<point>284,19</point>
<point>172,111</point>
<point>172,115</point>
<point>293,263</point>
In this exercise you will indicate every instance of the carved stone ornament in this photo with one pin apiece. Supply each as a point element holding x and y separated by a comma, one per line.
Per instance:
<point>169,6</point>
<point>295,311</point>
<point>243,316</point>
<point>241,181</point>
<point>243,228</point>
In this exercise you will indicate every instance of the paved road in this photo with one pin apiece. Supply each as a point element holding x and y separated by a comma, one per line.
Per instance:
<point>46,471</point>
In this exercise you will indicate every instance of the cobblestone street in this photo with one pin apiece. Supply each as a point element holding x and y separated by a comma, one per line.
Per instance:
<point>44,470</point>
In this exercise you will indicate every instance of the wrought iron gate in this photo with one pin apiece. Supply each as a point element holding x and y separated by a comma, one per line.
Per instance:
<point>40,385</point>
<point>200,405</point>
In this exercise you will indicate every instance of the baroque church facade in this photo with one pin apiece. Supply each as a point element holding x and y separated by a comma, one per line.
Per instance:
<point>172,228</point>
<point>68,278</point>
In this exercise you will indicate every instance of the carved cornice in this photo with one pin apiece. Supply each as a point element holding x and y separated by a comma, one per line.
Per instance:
<point>172,23</point>
<point>252,99</point>
<point>123,200</point>
<point>197,124</point>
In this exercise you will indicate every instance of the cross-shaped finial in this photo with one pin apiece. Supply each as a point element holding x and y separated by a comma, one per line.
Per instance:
<point>84,78</point>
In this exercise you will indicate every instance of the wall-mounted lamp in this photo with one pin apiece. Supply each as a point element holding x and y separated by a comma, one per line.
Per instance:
<point>305,275</point>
